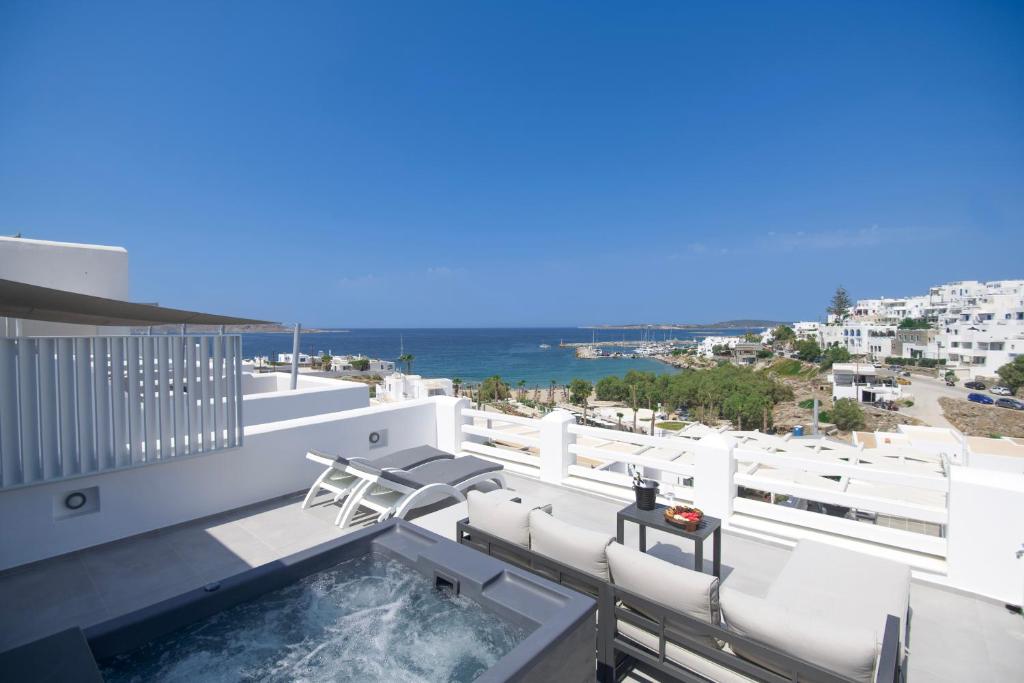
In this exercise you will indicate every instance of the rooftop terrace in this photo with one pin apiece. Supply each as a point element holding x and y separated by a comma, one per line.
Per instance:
<point>954,636</point>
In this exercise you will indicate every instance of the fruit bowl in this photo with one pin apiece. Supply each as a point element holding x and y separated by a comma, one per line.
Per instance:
<point>684,517</point>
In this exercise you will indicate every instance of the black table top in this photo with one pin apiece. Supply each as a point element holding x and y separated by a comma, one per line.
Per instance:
<point>655,519</point>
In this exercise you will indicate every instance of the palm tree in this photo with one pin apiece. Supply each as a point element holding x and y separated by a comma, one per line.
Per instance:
<point>551,392</point>
<point>620,415</point>
<point>522,389</point>
<point>457,383</point>
<point>633,404</point>
<point>407,358</point>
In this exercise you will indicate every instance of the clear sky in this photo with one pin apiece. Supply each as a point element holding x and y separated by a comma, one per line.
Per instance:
<point>485,163</point>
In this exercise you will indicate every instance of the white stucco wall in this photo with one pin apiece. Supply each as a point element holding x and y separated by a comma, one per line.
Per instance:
<point>270,463</point>
<point>314,396</point>
<point>83,268</point>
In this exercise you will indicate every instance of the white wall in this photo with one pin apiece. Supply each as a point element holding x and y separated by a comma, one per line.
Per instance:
<point>270,463</point>
<point>986,528</point>
<point>83,268</point>
<point>314,396</point>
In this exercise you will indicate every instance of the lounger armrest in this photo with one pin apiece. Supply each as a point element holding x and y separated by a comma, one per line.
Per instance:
<point>325,459</point>
<point>889,657</point>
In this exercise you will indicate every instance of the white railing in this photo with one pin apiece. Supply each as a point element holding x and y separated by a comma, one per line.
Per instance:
<point>757,470</point>
<point>524,449</point>
<point>669,469</point>
<point>72,406</point>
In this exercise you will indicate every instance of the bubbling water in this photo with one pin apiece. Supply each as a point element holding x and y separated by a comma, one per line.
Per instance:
<point>370,618</point>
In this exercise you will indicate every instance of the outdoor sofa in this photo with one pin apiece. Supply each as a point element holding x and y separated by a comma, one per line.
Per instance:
<point>831,616</point>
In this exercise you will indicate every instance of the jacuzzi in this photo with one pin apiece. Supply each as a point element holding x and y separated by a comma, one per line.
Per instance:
<point>390,602</point>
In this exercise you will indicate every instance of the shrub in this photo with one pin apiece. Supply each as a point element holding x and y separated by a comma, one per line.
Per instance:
<point>1012,374</point>
<point>806,404</point>
<point>847,415</point>
<point>807,349</point>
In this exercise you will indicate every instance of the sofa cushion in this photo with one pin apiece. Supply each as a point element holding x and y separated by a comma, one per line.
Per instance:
<point>683,590</point>
<point>579,548</point>
<point>832,644</point>
<point>498,516</point>
<point>826,582</point>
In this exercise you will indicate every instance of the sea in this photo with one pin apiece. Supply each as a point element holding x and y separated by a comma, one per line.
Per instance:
<point>473,354</point>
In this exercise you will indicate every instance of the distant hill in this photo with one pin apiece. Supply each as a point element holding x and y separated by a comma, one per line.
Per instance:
<point>723,325</point>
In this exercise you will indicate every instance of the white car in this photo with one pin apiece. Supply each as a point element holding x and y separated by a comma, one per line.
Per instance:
<point>1002,391</point>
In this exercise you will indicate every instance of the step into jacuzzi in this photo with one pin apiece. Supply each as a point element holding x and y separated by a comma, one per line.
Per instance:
<point>392,602</point>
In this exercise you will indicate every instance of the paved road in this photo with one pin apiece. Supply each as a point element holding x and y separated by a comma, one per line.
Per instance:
<point>926,392</point>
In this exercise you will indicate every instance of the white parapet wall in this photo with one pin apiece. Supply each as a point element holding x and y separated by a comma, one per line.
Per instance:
<point>267,398</point>
<point>270,463</point>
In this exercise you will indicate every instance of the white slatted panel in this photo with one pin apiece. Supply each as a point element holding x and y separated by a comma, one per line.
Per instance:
<point>49,413</point>
<point>149,408</point>
<point>10,441</point>
<point>101,391</point>
<point>84,406</point>
<point>79,406</point>
<point>193,396</point>
<point>28,399</point>
<point>67,415</point>
<point>136,430</point>
<point>119,404</point>
<point>177,380</point>
<point>206,392</point>
<point>230,371</point>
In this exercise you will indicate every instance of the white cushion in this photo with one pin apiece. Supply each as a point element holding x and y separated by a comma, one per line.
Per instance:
<point>498,516</point>
<point>849,651</point>
<point>682,590</point>
<point>579,548</point>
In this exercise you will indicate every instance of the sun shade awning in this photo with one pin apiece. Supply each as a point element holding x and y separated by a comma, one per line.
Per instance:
<point>32,302</point>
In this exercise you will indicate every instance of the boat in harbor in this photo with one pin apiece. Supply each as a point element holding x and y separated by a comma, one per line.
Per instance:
<point>545,346</point>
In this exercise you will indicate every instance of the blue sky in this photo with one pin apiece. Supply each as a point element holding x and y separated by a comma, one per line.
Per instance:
<point>445,164</point>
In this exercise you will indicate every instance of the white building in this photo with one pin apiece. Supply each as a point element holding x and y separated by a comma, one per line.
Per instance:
<point>402,387</point>
<point>807,330</point>
<point>376,365</point>
<point>304,358</point>
<point>869,339</point>
<point>860,382</point>
<point>707,344</point>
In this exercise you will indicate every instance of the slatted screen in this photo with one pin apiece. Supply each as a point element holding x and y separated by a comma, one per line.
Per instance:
<point>81,405</point>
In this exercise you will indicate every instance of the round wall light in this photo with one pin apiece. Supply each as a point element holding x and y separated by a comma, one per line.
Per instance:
<point>74,501</point>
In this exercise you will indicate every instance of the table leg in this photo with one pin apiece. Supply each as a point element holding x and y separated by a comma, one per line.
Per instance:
<point>619,523</point>
<point>717,564</point>
<point>643,538</point>
<point>698,555</point>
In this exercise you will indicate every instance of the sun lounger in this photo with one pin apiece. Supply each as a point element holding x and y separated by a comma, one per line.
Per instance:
<point>340,477</point>
<point>392,493</point>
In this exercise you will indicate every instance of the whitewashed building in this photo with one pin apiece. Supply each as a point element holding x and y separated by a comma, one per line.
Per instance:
<point>376,365</point>
<point>860,382</point>
<point>402,387</point>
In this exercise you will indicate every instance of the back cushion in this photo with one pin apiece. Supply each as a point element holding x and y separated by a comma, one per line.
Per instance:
<point>682,590</point>
<point>505,519</point>
<point>845,650</point>
<point>568,544</point>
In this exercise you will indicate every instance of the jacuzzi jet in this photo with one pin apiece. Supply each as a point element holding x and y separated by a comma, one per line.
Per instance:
<point>446,585</point>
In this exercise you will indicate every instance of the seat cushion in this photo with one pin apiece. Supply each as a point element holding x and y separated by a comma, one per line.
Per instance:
<point>682,590</point>
<point>579,548</point>
<point>831,644</point>
<point>498,516</point>
<point>452,472</point>
<point>410,457</point>
<point>681,656</point>
<point>826,582</point>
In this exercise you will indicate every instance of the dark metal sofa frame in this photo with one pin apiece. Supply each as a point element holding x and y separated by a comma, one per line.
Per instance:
<point>617,655</point>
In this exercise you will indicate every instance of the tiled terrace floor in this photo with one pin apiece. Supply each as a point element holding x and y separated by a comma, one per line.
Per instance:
<point>953,637</point>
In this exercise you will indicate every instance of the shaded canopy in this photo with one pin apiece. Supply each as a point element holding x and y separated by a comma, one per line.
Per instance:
<point>32,302</point>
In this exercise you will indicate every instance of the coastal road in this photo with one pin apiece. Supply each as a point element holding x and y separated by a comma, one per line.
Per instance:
<point>926,392</point>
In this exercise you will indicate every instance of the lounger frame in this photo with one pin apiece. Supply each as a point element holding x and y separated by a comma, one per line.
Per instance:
<point>617,655</point>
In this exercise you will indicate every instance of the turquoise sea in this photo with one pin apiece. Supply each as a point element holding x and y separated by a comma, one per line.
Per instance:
<point>473,354</point>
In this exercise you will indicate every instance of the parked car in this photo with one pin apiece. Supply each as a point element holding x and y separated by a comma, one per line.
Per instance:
<point>1010,403</point>
<point>1001,391</point>
<point>905,373</point>
<point>903,381</point>
<point>950,383</point>
<point>980,398</point>
<point>974,385</point>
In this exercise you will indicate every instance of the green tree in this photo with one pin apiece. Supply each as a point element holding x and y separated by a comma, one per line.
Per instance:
<point>579,391</point>
<point>847,415</point>
<point>840,306</point>
<point>752,337</point>
<point>914,324</point>
<point>325,361</point>
<point>457,385</point>
<point>834,354</point>
<point>807,350</point>
<point>493,389</point>
<point>407,358</point>
<point>361,364</point>
<point>783,334</point>
<point>1012,373</point>
<point>521,385</point>
<point>551,392</point>
<point>620,415</point>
